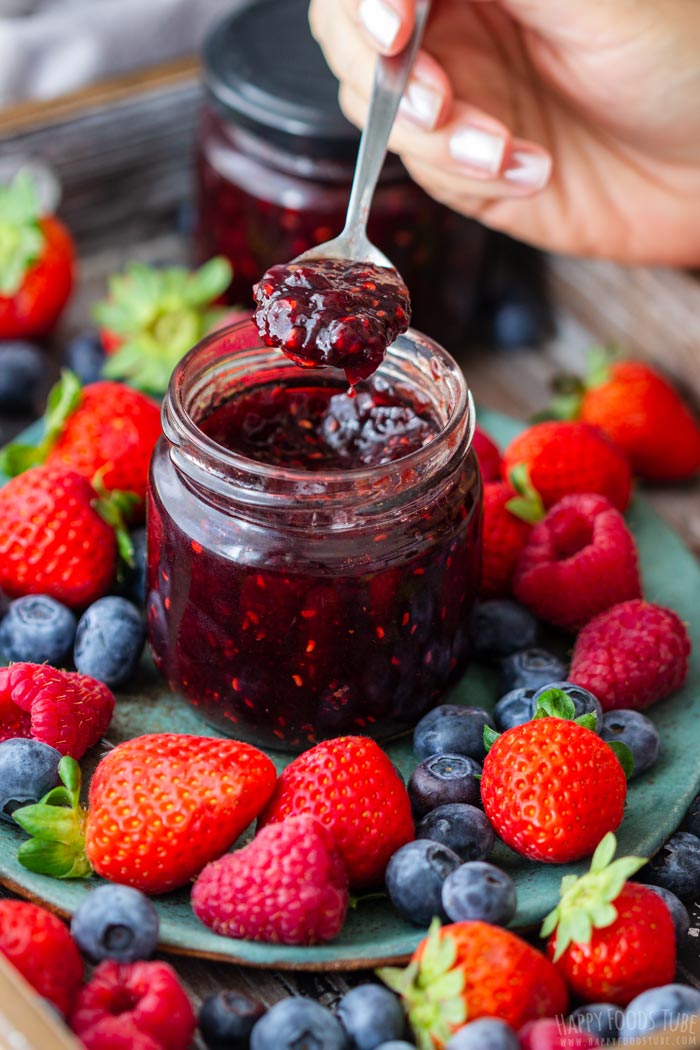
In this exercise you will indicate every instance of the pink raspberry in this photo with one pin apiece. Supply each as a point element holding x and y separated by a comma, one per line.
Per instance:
<point>69,711</point>
<point>288,886</point>
<point>577,562</point>
<point>550,1033</point>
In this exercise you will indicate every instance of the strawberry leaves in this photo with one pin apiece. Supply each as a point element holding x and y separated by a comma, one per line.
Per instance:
<point>21,237</point>
<point>57,827</point>
<point>527,505</point>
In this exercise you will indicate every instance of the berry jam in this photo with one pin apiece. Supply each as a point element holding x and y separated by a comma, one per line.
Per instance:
<point>313,557</point>
<point>333,312</point>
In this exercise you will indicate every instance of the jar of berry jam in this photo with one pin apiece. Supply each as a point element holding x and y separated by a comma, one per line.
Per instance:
<point>275,159</point>
<point>313,556</point>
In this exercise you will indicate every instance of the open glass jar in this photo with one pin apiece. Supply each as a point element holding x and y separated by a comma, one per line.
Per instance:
<point>292,603</point>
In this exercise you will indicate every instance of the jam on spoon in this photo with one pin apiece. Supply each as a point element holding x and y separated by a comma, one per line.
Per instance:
<point>333,312</point>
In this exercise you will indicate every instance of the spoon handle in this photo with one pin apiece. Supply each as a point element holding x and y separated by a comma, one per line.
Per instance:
<point>390,79</point>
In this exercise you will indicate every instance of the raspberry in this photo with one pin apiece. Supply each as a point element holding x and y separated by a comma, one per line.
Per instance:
<point>139,1006</point>
<point>631,655</point>
<point>69,711</point>
<point>288,886</point>
<point>39,945</point>
<point>488,455</point>
<point>577,562</point>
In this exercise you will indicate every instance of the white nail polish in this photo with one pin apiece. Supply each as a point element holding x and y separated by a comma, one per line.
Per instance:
<point>380,20</point>
<point>421,104</point>
<point>479,149</point>
<point>528,169</point>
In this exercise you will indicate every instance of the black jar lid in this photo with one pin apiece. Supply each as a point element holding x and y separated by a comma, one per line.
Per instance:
<point>264,69</point>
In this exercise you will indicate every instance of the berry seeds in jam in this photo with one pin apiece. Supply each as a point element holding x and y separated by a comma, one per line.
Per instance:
<point>333,312</point>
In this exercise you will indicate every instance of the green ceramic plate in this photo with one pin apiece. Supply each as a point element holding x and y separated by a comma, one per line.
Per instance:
<point>373,933</point>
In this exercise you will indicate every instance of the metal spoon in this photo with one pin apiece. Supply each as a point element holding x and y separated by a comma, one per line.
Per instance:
<point>390,79</point>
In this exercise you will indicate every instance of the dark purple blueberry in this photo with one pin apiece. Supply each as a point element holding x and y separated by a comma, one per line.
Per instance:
<point>676,866</point>
<point>601,1020</point>
<point>226,1019</point>
<point>502,627</point>
<point>692,817</point>
<point>28,770</point>
<point>37,629</point>
<point>23,373</point>
<point>133,582</point>
<point>514,709</point>
<point>671,1005</point>
<point>371,1015</point>
<point>452,729</point>
<point>585,703</point>
<point>465,829</point>
<point>85,356</point>
<point>531,669</point>
<point>441,779</point>
<point>115,922</point>
<point>678,910</point>
<point>638,732</point>
<point>414,878</point>
<point>486,1033</point>
<point>478,891</point>
<point>109,641</point>
<point>297,1023</point>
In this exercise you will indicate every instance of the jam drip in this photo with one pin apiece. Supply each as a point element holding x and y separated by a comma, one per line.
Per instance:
<point>333,312</point>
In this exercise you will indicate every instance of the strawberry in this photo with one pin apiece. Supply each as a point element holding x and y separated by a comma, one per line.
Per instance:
<point>67,710</point>
<point>104,428</point>
<point>470,970</point>
<point>577,562</point>
<point>550,1033</point>
<point>36,263</point>
<point>632,655</point>
<point>153,316</point>
<point>510,510</point>
<point>133,1006</point>
<point>488,454</point>
<point>551,787</point>
<point>160,807</point>
<point>60,536</point>
<point>610,939</point>
<point>563,457</point>
<point>39,945</point>
<point>287,886</point>
<point>351,787</point>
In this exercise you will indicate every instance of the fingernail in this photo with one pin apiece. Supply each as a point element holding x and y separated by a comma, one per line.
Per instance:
<point>526,168</point>
<point>479,149</point>
<point>421,104</point>
<point>380,20</point>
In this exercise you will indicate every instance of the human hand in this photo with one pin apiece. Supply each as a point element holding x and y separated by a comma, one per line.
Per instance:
<point>572,124</point>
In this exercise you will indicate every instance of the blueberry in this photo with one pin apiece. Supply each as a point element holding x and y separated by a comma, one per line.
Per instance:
<point>226,1020</point>
<point>115,922</point>
<point>692,818</point>
<point>585,703</point>
<point>298,1024</point>
<point>514,709</point>
<point>452,729</point>
<point>36,630</point>
<point>109,641</point>
<point>531,669</point>
<point>85,355</point>
<point>440,779</point>
<point>28,770</point>
<point>502,627</point>
<point>676,866</point>
<point>414,878</point>
<point>396,1044</point>
<point>486,1033</point>
<point>371,1015</point>
<point>638,732</point>
<point>479,891</point>
<point>678,910</point>
<point>133,584</point>
<point>601,1020</point>
<point>465,829</point>
<point>660,1008</point>
<point>23,370</point>
<point>518,321</point>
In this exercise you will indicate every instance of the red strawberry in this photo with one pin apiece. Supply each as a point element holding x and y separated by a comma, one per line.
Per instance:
<point>39,945</point>
<point>611,940</point>
<point>350,786</point>
<point>551,787</point>
<point>471,970</point>
<point>36,263</point>
<point>551,1034</point>
<point>55,538</point>
<point>577,562</point>
<point>133,1006</point>
<point>160,807</point>
<point>287,886</point>
<point>509,513</point>
<point>570,457</point>
<point>67,710</point>
<point>631,655</point>
<point>488,455</point>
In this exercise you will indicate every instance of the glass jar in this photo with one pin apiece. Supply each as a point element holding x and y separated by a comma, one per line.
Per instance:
<point>275,160</point>
<point>290,605</point>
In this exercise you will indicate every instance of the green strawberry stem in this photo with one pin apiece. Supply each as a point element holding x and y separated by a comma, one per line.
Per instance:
<point>432,990</point>
<point>64,398</point>
<point>115,508</point>
<point>568,391</point>
<point>57,826</point>
<point>21,237</point>
<point>587,903</point>
<point>528,504</point>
